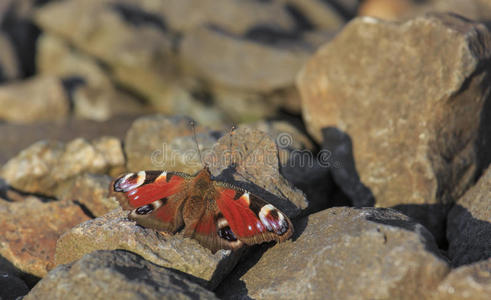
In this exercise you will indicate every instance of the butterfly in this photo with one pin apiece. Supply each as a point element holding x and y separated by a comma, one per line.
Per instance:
<point>217,214</point>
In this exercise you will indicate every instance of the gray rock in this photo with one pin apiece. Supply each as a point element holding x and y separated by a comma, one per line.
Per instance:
<point>37,99</point>
<point>469,224</point>
<point>115,231</point>
<point>344,253</point>
<point>115,275</point>
<point>412,97</point>
<point>466,282</point>
<point>44,165</point>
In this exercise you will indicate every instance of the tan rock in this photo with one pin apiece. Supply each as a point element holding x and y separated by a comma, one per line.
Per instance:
<point>91,191</point>
<point>29,230</point>
<point>38,99</point>
<point>466,282</point>
<point>44,165</point>
<point>411,96</point>
<point>233,62</point>
<point>115,231</point>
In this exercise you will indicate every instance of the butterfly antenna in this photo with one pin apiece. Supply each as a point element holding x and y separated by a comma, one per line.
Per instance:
<point>195,138</point>
<point>231,132</point>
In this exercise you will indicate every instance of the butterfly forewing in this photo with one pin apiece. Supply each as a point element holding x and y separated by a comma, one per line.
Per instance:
<point>155,198</point>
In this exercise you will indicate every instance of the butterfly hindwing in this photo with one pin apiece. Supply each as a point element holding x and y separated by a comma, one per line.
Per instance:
<point>251,219</point>
<point>155,198</point>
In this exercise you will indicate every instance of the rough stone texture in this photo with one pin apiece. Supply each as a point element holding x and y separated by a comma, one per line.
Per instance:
<point>412,97</point>
<point>115,231</point>
<point>466,282</point>
<point>91,191</point>
<point>229,61</point>
<point>151,144</point>
<point>9,64</point>
<point>11,287</point>
<point>115,275</point>
<point>45,164</point>
<point>38,99</point>
<point>344,253</point>
<point>29,230</point>
<point>16,137</point>
<point>469,224</point>
<point>249,159</point>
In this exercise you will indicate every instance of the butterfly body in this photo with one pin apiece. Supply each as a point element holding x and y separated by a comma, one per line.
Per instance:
<point>217,214</point>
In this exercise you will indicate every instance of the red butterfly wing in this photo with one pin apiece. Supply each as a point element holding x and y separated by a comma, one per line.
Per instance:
<point>251,219</point>
<point>155,198</point>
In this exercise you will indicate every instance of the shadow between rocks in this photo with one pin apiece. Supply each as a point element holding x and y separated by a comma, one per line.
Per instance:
<point>469,238</point>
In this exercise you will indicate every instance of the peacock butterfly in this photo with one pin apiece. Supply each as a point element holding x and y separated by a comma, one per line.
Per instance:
<point>217,214</point>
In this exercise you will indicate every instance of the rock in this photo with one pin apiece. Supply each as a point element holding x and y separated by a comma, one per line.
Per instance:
<point>466,282</point>
<point>469,224</point>
<point>11,287</point>
<point>29,230</point>
<point>92,92</point>
<point>321,14</point>
<point>249,159</point>
<point>37,99</point>
<point>235,16</point>
<point>232,62</point>
<point>46,164</point>
<point>16,137</point>
<point>115,231</point>
<point>115,275</point>
<point>389,255</point>
<point>57,58</point>
<point>9,64</point>
<point>149,144</point>
<point>137,48</point>
<point>415,129</point>
<point>92,192</point>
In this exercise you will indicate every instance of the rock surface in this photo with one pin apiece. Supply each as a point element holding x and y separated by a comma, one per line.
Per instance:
<point>248,158</point>
<point>115,231</point>
<point>466,282</point>
<point>9,64</point>
<point>115,275</point>
<point>469,224</point>
<point>412,97</point>
<point>29,230</point>
<point>44,165</point>
<point>91,191</point>
<point>389,255</point>
<point>218,61</point>
<point>38,99</point>
<point>148,145</point>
